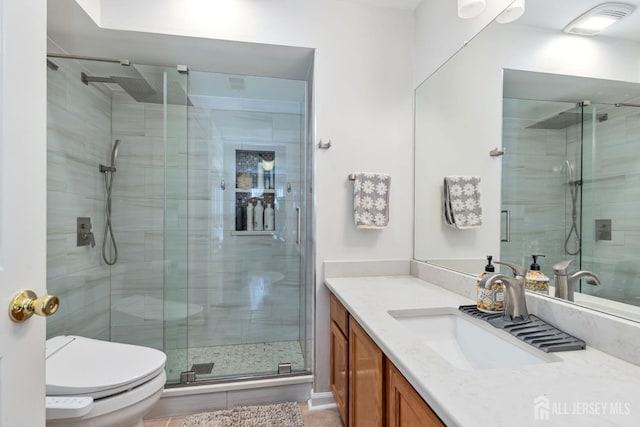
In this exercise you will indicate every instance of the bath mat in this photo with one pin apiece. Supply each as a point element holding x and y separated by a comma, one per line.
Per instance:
<point>279,415</point>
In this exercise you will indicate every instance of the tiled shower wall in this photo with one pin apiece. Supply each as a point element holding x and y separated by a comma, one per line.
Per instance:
<point>535,190</point>
<point>250,286</point>
<point>78,140</point>
<point>611,190</point>
<point>241,289</point>
<point>138,218</point>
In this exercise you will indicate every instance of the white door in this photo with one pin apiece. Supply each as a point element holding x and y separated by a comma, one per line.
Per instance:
<point>22,206</point>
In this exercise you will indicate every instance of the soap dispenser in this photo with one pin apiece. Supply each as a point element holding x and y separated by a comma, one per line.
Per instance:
<point>490,300</point>
<point>536,280</point>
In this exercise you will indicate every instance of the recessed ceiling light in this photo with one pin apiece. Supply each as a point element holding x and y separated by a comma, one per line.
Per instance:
<point>598,18</point>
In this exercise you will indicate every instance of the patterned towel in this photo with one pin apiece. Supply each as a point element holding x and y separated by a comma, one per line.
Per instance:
<point>462,202</point>
<point>371,200</point>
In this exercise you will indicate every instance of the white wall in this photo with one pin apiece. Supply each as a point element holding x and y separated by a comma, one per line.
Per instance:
<point>439,33</point>
<point>467,96</point>
<point>363,104</point>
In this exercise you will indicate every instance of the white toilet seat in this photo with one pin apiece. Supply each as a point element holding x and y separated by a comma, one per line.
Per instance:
<point>78,366</point>
<point>124,380</point>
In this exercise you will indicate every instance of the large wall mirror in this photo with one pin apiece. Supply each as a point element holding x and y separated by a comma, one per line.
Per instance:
<point>566,111</point>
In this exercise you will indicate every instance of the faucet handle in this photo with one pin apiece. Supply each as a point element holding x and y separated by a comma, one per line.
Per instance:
<point>518,270</point>
<point>561,268</point>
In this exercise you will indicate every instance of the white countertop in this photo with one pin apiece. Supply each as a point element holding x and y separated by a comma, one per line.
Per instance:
<point>585,388</point>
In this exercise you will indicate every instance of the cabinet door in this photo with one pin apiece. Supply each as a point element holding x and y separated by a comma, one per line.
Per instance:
<point>339,314</point>
<point>405,407</point>
<point>366,373</point>
<point>339,370</point>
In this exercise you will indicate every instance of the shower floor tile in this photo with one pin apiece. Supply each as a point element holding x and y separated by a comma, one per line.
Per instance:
<point>236,360</point>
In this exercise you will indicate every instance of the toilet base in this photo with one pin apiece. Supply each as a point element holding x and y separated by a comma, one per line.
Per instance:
<point>119,410</point>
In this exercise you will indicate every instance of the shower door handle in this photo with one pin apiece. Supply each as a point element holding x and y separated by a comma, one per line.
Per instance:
<point>298,226</point>
<point>507,220</point>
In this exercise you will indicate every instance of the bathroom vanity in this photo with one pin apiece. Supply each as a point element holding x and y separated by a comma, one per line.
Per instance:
<point>383,370</point>
<point>369,390</point>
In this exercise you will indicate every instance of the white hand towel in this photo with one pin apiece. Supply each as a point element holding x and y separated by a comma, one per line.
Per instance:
<point>462,207</point>
<point>371,200</point>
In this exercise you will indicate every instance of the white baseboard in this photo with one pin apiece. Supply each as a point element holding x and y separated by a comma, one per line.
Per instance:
<point>322,400</point>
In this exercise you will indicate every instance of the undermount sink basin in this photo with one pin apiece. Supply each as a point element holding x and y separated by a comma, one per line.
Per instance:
<point>465,342</point>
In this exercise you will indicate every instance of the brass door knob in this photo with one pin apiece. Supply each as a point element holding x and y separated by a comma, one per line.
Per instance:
<point>26,303</point>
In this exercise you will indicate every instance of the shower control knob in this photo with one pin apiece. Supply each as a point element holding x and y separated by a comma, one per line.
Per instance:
<point>26,303</point>
<point>92,240</point>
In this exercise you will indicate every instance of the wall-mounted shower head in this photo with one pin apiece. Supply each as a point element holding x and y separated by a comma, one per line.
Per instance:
<point>143,90</point>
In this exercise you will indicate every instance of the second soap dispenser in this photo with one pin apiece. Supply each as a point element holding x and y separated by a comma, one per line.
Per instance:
<point>490,300</point>
<point>536,280</point>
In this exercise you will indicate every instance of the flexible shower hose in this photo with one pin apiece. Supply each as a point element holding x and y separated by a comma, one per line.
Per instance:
<point>574,228</point>
<point>108,230</point>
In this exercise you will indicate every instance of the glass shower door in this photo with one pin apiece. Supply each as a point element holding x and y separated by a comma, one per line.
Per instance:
<point>246,232</point>
<point>176,309</point>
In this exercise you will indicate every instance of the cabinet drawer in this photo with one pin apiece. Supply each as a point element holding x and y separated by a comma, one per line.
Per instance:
<point>339,315</point>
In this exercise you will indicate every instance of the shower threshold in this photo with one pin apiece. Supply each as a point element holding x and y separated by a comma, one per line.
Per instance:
<point>225,362</point>
<point>239,380</point>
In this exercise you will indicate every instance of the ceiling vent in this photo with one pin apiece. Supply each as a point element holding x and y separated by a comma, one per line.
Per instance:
<point>597,19</point>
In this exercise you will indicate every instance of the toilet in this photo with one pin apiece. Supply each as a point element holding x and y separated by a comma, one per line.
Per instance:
<point>99,383</point>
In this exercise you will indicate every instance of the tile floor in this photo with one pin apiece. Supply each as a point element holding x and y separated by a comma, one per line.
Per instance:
<point>320,418</point>
<point>232,360</point>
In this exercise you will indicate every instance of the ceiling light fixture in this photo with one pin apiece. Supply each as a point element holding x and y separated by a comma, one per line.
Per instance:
<point>511,13</point>
<point>470,8</point>
<point>597,19</point>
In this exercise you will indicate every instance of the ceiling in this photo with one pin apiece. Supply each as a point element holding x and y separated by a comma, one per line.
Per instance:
<point>394,4</point>
<point>73,31</point>
<point>556,14</point>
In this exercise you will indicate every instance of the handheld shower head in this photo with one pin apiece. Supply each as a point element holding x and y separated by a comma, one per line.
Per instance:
<point>569,171</point>
<point>114,153</point>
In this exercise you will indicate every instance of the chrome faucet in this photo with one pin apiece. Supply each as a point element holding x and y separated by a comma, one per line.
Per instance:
<point>515,305</point>
<point>565,284</point>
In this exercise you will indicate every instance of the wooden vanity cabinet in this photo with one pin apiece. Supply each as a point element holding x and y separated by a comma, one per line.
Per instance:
<point>405,407</point>
<point>339,348</point>
<point>368,389</point>
<point>366,379</point>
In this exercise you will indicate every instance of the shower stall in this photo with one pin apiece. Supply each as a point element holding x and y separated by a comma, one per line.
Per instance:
<point>165,162</point>
<point>570,179</point>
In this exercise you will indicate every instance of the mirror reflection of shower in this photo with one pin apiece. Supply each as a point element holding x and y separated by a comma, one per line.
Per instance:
<point>573,184</point>
<point>110,253</point>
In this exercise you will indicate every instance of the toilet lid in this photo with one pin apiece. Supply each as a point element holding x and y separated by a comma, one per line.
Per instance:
<point>86,367</point>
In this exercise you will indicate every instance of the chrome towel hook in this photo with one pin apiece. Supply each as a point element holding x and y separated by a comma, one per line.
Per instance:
<point>324,145</point>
